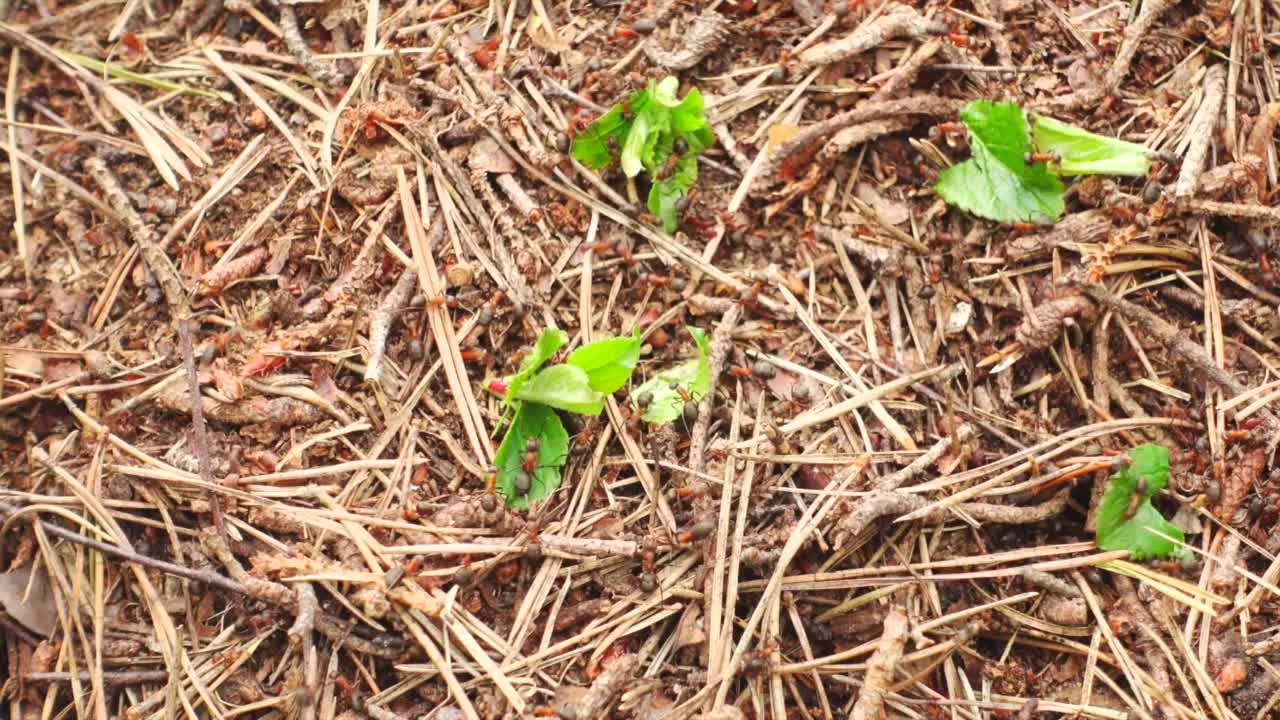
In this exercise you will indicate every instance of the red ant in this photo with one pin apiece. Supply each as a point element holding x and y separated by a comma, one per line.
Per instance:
<point>531,448</point>
<point>1038,157</point>
<point>701,530</point>
<point>750,296</point>
<point>649,566</point>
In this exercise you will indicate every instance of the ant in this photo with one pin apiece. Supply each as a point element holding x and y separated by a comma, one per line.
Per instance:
<point>749,297</point>
<point>1135,500</point>
<point>531,449</point>
<point>701,530</point>
<point>649,566</point>
<point>618,248</point>
<point>1024,228</point>
<point>1039,157</point>
<point>762,369</point>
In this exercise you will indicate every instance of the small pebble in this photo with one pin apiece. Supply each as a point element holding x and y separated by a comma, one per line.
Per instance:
<point>644,25</point>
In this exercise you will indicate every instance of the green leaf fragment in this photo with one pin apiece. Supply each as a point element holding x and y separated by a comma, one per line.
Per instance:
<point>1138,533</point>
<point>665,194</point>
<point>608,363</point>
<point>1084,153</point>
<point>694,377</point>
<point>532,420</point>
<point>565,387</point>
<point>549,343</point>
<point>644,131</point>
<point>996,183</point>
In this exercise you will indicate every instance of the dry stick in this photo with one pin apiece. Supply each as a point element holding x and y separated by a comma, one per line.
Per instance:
<point>1169,336</point>
<point>903,76</point>
<point>897,21</point>
<point>806,139</point>
<point>880,667</point>
<point>175,293</point>
<point>207,577</point>
<point>278,594</point>
<point>721,343</point>
<point>1152,11</point>
<point>1202,132</point>
<point>380,322</point>
<point>109,677</point>
<point>293,40</point>
<point>300,635</point>
<point>441,325</point>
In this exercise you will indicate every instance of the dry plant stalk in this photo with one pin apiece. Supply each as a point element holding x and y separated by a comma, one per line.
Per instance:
<point>881,666</point>
<point>381,320</point>
<point>805,143</point>
<point>897,21</point>
<point>1202,129</point>
<point>292,36</point>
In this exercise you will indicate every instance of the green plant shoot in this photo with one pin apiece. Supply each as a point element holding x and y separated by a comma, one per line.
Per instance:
<point>665,403</point>
<point>534,394</point>
<point>654,131</point>
<point>1002,182</point>
<point>1126,517</point>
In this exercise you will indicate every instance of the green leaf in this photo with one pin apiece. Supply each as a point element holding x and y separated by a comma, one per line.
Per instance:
<point>689,116</point>
<point>609,362</point>
<point>1084,153</point>
<point>665,194</point>
<point>1151,461</point>
<point>591,147</point>
<point>566,387</point>
<point>549,342</point>
<point>664,91</point>
<point>1135,535</point>
<point>694,377</point>
<point>532,420</point>
<point>633,150</point>
<point>1148,462</point>
<point>996,183</point>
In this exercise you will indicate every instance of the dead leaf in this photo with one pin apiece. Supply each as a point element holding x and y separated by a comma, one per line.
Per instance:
<point>33,608</point>
<point>891,211</point>
<point>543,37</point>
<point>779,134</point>
<point>24,363</point>
<point>810,11</point>
<point>227,382</point>
<point>486,155</point>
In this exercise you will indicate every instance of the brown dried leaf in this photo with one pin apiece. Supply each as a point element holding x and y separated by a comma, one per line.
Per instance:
<point>28,600</point>
<point>488,156</point>
<point>227,382</point>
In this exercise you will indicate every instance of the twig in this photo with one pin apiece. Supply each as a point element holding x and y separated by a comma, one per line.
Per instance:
<point>1201,131</point>
<point>300,636</point>
<point>382,318</point>
<point>721,344</point>
<point>109,677</point>
<point>610,682</point>
<point>293,40</point>
<point>897,21</point>
<point>881,666</point>
<point>805,142</point>
<point>208,577</point>
<point>175,293</point>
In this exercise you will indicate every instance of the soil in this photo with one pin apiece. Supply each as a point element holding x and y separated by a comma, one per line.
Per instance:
<point>263,275</point>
